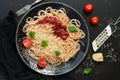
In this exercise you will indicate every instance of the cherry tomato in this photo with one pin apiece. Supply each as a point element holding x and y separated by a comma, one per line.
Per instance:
<point>94,20</point>
<point>27,42</point>
<point>42,62</point>
<point>88,8</point>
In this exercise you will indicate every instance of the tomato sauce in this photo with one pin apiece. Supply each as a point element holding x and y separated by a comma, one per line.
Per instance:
<point>60,30</point>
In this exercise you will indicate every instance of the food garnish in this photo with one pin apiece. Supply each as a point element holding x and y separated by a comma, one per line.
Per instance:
<point>57,53</point>
<point>27,42</point>
<point>87,70</point>
<point>32,34</point>
<point>44,43</point>
<point>42,62</point>
<point>72,29</point>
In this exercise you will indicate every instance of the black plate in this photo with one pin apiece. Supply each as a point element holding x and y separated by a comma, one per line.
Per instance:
<point>49,70</point>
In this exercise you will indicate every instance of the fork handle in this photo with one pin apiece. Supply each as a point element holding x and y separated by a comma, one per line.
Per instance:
<point>36,2</point>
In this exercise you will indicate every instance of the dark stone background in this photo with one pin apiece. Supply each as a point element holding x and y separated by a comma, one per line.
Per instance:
<point>107,10</point>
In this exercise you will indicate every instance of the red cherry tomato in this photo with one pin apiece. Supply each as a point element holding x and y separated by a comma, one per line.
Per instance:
<point>27,43</point>
<point>88,8</point>
<point>94,20</point>
<point>42,62</point>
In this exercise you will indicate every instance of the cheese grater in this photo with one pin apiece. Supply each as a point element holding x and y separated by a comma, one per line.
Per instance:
<point>104,35</point>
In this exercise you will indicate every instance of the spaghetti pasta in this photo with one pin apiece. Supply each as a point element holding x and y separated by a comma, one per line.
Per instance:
<point>43,25</point>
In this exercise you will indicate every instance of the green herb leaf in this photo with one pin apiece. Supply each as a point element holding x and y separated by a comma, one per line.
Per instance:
<point>57,53</point>
<point>87,70</point>
<point>72,29</point>
<point>44,43</point>
<point>32,34</point>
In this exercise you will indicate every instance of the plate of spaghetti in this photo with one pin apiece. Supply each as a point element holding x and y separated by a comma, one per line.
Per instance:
<point>52,38</point>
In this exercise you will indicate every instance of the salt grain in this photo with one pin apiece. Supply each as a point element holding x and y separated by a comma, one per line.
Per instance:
<point>112,55</point>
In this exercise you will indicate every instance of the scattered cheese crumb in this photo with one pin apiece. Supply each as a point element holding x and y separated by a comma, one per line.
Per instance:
<point>98,57</point>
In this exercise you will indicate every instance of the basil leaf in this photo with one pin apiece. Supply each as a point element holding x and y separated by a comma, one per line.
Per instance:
<point>87,70</point>
<point>57,53</point>
<point>44,43</point>
<point>32,34</point>
<point>72,29</point>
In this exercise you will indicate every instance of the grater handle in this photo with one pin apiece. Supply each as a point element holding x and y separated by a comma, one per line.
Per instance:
<point>113,27</point>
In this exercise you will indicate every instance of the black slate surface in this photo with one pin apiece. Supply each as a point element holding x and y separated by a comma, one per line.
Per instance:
<point>12,67</point>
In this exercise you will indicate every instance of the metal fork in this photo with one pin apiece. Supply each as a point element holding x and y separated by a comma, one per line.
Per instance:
<point>26,8</point>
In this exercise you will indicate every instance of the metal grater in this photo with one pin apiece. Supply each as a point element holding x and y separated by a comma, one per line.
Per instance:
<point>104,35</point>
